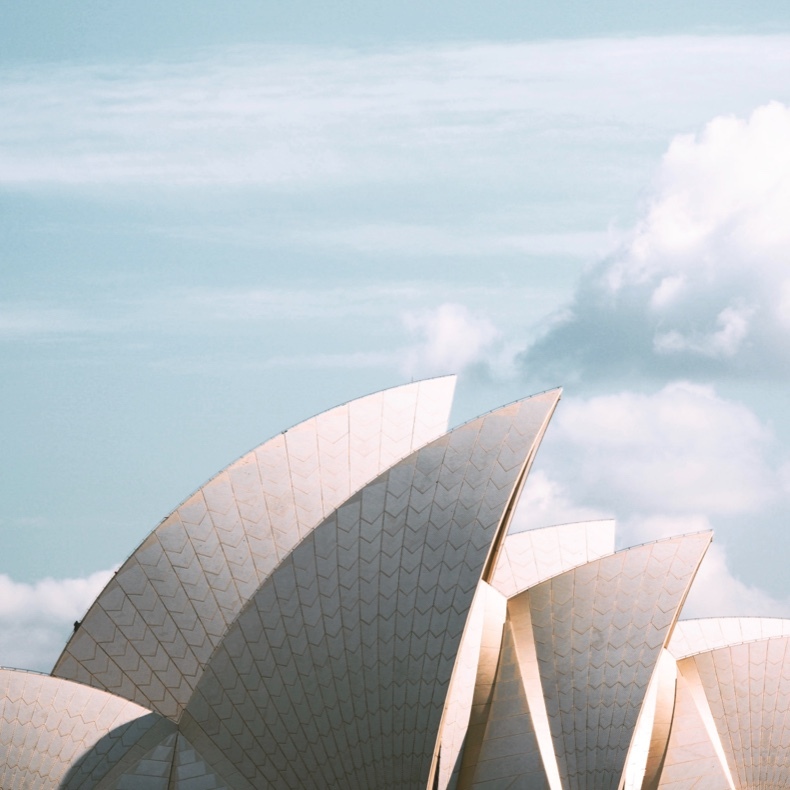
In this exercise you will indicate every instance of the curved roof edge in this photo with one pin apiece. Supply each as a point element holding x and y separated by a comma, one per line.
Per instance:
<point>742,691</point>
<point>151,631</point>
<point>52,728</point>
<point>533,556</point>
<point>651,577</point>
<point>703,634</point>
<point>694,755</point>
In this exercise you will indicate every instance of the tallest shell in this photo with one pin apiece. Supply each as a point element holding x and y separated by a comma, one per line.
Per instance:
<point>297,619</point>
<point>336,672</point>
<point>151,632</point>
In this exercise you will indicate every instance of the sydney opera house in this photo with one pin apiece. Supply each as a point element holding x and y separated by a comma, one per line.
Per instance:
<point>345,607</point>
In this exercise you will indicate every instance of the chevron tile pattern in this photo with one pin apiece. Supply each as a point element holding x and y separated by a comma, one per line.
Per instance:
<point>702,635</point>
<point>524,559</point>
<point>190,771</point>
<point>335,674</point>
<point>738,668</point>
<point>172,764</point>
<point>599,630</point>
<point>747,687</point>
<point>153,770</point>
<point>47,725</point>
<point>151,632</point>
<point>530,557</point>
<point>342,608</point>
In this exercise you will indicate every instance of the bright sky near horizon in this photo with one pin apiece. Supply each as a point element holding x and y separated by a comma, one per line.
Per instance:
<point>215,223</point>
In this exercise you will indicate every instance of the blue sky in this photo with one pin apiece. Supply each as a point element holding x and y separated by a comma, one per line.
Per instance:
<point>215,224</point>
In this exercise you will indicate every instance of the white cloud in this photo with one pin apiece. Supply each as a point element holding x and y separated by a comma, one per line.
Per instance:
<point>682,449</point>
<point>450,339</point>
<point>278,117</point>
<point>37,619</point>
<point>717,592</point>
<point>681,459</point>
<point>701,286</point>
<point>546,502</point>
<point>698,292</point>
<point>721,205</point>
<point>732,327</point>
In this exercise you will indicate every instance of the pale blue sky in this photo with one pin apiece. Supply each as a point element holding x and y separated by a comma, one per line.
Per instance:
<point>48,30</point>
<point>216,223</point>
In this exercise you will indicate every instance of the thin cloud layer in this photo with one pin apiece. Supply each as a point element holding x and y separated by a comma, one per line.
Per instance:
<point>702,288</point>
<point>279,117</point>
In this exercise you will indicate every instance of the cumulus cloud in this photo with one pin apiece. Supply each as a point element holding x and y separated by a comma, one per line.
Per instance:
<point>702,284</point>
<point>718,592</point>
<point>450,338</point>
<point>682,449</point>
<point>36,619</point>
<point>546,502</point>
<point>680,459</point>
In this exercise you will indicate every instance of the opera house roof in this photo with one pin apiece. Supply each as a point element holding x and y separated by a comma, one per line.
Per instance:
<point>345,607</point>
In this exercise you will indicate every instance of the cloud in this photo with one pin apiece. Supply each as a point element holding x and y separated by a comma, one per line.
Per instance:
<point>732,327</point>
<point>451,338</point>
<point>279,117</point>
<point>546,502</point>
<point>717,591</point>
<point>678,460</point>
<point>178,308</point>
<point>37,619</point>
<point>702,286</point>
<point>419,240</point>
<point>31,319</point>
<point>680,450</point>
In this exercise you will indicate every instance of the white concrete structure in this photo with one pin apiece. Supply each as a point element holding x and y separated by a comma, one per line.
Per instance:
<point>579,651</point>
<point>152,630</point>
<point>342,607</point>
<point>524,559</point>
<point>346,651</point>
<point>734,693</point>
<point>54,731</point>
